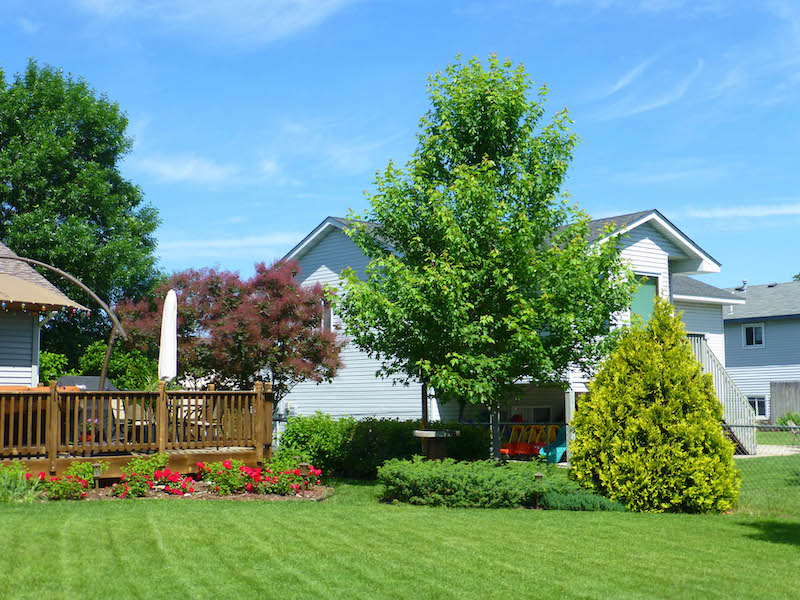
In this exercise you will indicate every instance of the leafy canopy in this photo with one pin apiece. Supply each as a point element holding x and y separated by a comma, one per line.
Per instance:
<point>63,200</point>
<point>649,433</point>
<point>232,330</point>
<point>480,271</point>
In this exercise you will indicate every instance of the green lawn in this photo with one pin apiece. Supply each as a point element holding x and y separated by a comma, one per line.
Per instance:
<point>350,546</point>
<point>777,438</point>
<point>770,486</point>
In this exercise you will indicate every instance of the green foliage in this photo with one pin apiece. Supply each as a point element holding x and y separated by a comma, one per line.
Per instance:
<point>132,485</point>
<point>483,484</point>
<point>63,199</point>
<point>52,366</point>
<point>648,434</point>
<point>353,448</point>
<point>17,486</point>
<point>794,417</point>
<point>84,470</point>
<point>128,369</point>
<point>474,250</point>
<point>146,465</point>
<point>68,487</point>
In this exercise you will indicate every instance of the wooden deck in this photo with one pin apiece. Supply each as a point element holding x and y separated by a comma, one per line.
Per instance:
<point>47,431</point>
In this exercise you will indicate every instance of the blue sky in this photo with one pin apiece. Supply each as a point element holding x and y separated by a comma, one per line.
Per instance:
<point>254,120</point>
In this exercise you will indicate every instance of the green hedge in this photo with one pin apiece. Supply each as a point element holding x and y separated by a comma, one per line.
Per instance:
<point>484,484</point>
<point>351,448</point>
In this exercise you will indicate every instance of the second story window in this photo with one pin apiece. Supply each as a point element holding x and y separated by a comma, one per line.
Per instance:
<point>753,335</point>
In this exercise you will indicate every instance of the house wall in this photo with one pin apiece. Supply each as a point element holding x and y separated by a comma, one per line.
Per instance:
<point>17,349</point>
<point>355,390</point>
<point>752,369</point>
<point>705,319</point>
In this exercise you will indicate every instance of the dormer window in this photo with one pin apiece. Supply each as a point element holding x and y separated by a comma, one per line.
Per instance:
<point>753,335</point>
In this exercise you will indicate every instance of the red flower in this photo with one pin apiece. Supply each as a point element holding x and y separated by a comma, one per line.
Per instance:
<point>167,472</point>
<point>297,472</point>
<point>216,488</point>
<point>28,476</point>
<point>54,479</point>
<point>42,476</point>
<point>201,466</point>
<point>166,488</point>
<point>191,490</point>
<point>249,487</point>
<point>159,474</point>
<point>227,464</point>
<point>317,481</point>
<point>84,483</point>
<point>83,494</point>
<point>150,484</point>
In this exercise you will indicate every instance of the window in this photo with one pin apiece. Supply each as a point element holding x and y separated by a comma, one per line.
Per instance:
<point>644,297</point>
<point>753,335</point>
<point>759,404</point>
<point>327,316</point>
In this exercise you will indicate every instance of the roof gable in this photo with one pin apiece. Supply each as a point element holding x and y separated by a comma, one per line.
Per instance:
<point>22,283</point>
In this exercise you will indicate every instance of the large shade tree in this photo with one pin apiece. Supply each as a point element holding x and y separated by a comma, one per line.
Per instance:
<point>63,200</point>
<point>232,331</point>
<point>481,275</point>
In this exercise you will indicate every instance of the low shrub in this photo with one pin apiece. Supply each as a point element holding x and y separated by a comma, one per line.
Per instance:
<point>84,470</point>
<point>132,485</point>
<point>146,465</point>
<point>483,484</point>
<point>63,488</point>
<point>232,476</point>
<point>351,448</point>
<point>16,485</point>
<point>794,417</point>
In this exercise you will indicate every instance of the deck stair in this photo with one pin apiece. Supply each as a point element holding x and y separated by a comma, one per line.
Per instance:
<point>738,415</point>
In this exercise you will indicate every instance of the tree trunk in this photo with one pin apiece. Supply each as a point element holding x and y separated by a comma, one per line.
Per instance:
<point>494,419</point>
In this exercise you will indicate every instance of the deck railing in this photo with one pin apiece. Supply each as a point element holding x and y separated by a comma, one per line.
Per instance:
<point>737,413</point>
<point>80,423</point>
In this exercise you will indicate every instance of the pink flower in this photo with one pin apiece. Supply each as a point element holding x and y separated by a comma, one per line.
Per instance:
<point>227,464</point>
<point>317,481</point>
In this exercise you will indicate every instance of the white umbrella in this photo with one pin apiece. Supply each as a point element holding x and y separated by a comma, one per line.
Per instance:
<point>168,350</point>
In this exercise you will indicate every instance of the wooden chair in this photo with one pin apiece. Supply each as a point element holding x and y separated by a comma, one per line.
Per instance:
<point>132,418</point>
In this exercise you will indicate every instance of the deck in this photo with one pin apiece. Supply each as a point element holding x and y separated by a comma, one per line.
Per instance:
<point>48,430</point>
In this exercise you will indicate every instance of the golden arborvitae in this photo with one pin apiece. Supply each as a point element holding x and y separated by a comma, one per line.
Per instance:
<point>649,433</point>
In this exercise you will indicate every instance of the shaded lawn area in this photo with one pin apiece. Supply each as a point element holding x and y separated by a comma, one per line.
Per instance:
<point>770,486</point>
<point>350,546</point>
<point>777,438</point>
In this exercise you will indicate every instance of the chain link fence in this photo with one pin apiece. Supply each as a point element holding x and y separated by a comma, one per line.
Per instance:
<point>771,475</point>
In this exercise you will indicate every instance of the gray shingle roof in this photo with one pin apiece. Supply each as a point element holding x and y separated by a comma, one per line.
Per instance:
<point>683,285</point>
<point>771,300</point>
<point>597,226</point>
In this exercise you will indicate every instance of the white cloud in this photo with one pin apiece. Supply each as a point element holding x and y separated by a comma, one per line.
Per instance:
<point>189,169</point>
<point>28,26</point>
<point>693,171</point>
<point>630,107</point>
<point>630,76</point>
<point>246,21</point>
<point>786,209</point>
<point>270,245</point>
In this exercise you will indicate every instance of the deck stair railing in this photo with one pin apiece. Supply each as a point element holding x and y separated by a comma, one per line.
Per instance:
<point>737,413</point>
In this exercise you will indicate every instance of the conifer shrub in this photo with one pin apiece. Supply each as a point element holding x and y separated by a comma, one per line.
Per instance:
<point>649,432</point>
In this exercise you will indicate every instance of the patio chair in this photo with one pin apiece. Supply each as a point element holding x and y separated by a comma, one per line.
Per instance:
<point>131,418</point>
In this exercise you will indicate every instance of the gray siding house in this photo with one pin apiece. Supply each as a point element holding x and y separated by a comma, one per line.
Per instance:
<point>661,256</point>
<point>27,300</point>
<point>762,340</point>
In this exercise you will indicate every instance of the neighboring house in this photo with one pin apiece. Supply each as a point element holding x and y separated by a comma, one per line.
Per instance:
<point>27,300</point>
<point>762,340</point>
<point>659,253</point>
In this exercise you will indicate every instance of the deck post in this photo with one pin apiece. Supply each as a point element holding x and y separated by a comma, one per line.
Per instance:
<point>269,406</point>
<point>161,417</point>
<point>260,421</point>
<point>53,422</point>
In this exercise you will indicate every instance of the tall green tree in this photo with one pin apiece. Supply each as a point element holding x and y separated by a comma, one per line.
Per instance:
<point>481,274</point>
<point>63,199</point>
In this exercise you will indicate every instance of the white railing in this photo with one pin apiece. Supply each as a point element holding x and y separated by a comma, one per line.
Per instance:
<point>736,410</point>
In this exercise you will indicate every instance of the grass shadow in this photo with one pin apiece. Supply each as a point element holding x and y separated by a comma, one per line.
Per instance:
<point>775,531</point>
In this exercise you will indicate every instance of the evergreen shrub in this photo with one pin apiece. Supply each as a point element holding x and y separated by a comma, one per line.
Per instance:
<point>649,432</point>
<point>484,484</point>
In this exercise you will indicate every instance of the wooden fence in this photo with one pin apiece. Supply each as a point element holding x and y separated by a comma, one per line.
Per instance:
<point>60,423</point>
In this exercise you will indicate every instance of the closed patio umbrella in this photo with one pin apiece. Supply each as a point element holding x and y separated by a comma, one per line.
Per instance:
<point>168,350</point>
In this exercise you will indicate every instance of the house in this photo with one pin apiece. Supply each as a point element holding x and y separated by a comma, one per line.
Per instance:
<point>27,302</point>
<point>762,340</point>
<point>661,256</point>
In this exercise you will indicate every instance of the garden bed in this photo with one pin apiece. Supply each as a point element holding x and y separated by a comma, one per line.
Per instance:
<point>203,492</point>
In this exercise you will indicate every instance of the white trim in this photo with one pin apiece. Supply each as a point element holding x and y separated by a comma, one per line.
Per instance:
<point>675,233</point>
<point>311,238</point>
<point>707,299</point>
<point>763,336</point>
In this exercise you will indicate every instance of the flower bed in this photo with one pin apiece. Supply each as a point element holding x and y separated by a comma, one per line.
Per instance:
<point>150,478</point>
